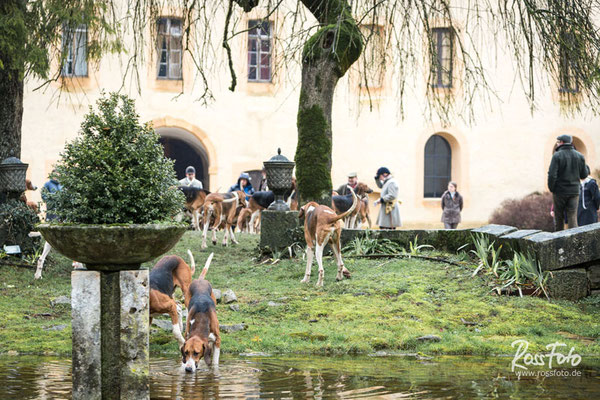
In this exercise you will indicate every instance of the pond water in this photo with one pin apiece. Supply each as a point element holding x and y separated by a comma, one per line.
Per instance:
<point>302,377</point>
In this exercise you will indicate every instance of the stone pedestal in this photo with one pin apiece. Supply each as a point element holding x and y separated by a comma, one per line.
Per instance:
<point>278,230</point>
<point>110,334</point>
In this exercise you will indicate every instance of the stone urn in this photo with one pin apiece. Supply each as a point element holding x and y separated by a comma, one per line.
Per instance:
<point>279,178</point>
<point>110,304</point>
<point>12,177</point>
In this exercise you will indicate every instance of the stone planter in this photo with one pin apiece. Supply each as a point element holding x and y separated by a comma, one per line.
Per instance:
<point>112,248</point>
<point>110,304</point>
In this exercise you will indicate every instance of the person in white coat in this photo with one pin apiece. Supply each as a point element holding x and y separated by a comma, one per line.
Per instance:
<point>190,178</point>
<point>389,214</point>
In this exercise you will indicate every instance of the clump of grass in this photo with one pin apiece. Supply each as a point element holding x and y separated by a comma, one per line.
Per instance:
<point>415,248</point>
<point>521,272</point>
<point>488,255</point>
<point>366,245</point>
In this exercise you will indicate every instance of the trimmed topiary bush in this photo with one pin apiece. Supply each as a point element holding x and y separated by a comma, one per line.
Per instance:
<point>115,171</point>
<point>529,212</point>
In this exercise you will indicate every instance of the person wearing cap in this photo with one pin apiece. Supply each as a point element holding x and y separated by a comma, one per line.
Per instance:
<point>389,214</point>
<point>352,182</point>
<point>190,178</point>
<point>566,170</point>
<point>243,183</point>
<point>589,201</point>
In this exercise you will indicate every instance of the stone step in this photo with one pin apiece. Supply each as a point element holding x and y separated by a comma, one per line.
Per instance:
<point>566,248</point>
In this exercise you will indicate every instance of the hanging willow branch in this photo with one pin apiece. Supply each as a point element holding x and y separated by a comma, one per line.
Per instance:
<point>227,48</point>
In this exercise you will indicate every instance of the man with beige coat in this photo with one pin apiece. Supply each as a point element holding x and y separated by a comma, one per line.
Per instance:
<point>389,214</point>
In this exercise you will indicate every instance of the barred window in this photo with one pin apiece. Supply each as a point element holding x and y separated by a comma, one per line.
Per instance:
<point>169,48</point>
<point>441,57</point>
<point>74,48</point>
<point>438,166</point>
<point>259,51</point>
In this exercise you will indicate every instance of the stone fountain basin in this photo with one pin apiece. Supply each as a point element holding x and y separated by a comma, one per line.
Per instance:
<point>112,245</point>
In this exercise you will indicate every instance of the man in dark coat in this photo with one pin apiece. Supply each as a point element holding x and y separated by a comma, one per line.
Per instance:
<point>567,168</point>
<point>352,182</point>
<point>589,201</point>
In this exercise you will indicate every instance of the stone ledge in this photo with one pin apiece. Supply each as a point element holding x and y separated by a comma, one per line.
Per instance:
<point>512,241</point>
<point>494,230</point>
<point>566,248</point>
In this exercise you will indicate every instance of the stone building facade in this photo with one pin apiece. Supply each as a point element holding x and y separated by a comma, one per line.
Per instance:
<point>504,153</point>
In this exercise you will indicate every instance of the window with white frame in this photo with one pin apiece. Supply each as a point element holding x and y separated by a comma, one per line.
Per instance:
<point>74,48</point>
<point>169,48</point>
<point>441,57</point>
<point>259,51</point>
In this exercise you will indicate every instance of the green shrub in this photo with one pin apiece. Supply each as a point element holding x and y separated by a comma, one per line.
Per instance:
<point>529,212</point>
<point>115,171</point>
<point>16,221</point>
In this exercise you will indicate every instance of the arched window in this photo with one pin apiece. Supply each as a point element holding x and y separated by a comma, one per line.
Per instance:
<point>438,165</point>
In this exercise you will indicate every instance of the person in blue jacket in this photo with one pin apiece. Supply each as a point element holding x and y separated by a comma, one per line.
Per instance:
<point>243,183</point>
<point>52,186</point>
<point>589,201</point>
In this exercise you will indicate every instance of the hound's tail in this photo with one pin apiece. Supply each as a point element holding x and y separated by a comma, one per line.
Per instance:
<point>354,204</point>
<point>206,265</point>
<point>231,200</point>
<point>192,262</point>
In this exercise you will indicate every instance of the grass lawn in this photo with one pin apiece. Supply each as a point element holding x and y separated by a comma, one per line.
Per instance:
<point>386,306</point>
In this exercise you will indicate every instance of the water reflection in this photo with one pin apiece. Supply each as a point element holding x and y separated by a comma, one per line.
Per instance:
<point>296,377</point>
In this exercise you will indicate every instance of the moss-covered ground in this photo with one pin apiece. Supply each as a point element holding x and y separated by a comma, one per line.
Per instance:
<point>386,306</point>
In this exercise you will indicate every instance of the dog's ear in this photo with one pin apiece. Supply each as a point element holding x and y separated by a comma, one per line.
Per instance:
<point>182,353</point>
<point>207,353</point>
<point>301,212</point>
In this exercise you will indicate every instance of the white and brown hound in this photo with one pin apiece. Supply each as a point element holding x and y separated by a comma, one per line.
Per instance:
<point>257,203</point>
<point>203,340</point>
<point>194,200</point>
<point>342,203</point>
<point>23,197</point>
<point>168,273</point>
<point>321,226</point>
<point>363,212</point>
<point>223,208</point>
<point>243,220</point>
<point>42,260</point>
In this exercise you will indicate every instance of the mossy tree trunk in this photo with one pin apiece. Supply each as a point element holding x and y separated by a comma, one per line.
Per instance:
<point>11,115</point>
<point>326,57</point>
<point>11,80</point>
